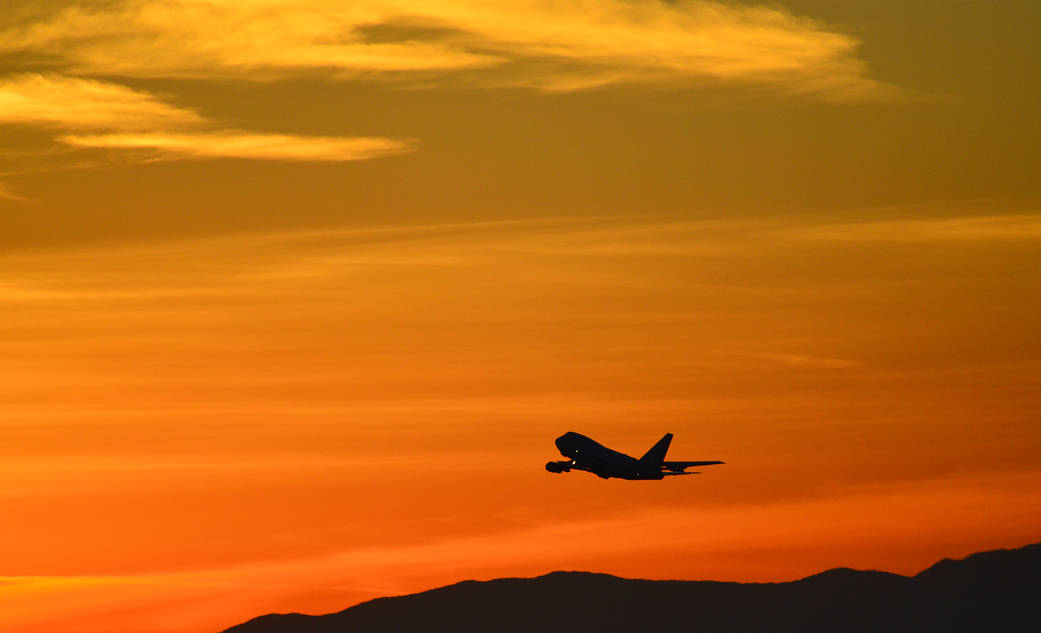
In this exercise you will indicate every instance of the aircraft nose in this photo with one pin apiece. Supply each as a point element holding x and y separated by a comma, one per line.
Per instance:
<point>566,444</point>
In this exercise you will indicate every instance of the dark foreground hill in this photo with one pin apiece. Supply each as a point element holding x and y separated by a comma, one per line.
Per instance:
<point>990,591</point>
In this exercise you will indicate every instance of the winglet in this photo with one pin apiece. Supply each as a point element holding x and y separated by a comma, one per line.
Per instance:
<point>656,456</point>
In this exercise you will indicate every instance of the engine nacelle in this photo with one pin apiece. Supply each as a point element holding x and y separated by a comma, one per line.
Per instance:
<point>558,467</point>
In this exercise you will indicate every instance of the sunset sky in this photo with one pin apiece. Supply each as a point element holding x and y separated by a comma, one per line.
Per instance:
<point>296,295</point>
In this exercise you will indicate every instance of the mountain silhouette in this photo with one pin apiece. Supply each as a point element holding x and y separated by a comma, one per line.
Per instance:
<point>990,591</point>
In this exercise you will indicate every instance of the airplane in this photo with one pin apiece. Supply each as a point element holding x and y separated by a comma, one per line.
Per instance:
<point>585,454</point>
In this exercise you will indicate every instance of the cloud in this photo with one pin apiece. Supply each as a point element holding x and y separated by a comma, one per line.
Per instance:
<point>7,194</point>
<point>1003,227</point>
<point>598,42</point>
<point>129,119</point>
<point>292,256</point>
<point>745,236</point>
<point>235,144</point>
<point>795,360</point>
<point>563,46</point>
<point>68,102</point>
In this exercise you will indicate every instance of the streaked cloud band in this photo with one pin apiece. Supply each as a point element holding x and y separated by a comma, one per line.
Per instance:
<point>562,46</point>
<point>126,119</point>
<point>232,144</point>
<point>70,102</point>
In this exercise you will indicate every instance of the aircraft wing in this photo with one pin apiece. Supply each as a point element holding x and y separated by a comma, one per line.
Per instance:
<point>677,467</point>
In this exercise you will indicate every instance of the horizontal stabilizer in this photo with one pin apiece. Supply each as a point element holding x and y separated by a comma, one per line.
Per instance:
<point>678,467</point>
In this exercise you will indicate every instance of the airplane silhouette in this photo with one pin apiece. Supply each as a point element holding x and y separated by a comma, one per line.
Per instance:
<point>590,456</point>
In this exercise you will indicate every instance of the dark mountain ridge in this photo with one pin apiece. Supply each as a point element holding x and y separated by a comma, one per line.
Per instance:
<point>990,591</point>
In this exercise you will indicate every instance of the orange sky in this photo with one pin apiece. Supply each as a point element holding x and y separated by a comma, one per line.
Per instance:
<point>294,297</point>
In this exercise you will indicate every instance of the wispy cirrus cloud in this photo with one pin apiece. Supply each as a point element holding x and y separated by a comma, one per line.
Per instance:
<point>73,103</point>
<point>121,118</point>
<point>7,194</point>
<point>266,39</point>
<point>547,46</point>
<point>591,43</point>
<point>236,144</point>
<point>1000,227</point>
<point>793,360</point>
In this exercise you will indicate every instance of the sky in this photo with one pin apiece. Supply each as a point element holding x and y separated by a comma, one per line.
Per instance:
<point>295,296</point>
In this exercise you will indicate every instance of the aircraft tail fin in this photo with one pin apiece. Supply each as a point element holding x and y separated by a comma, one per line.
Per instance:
<point>656,456</point>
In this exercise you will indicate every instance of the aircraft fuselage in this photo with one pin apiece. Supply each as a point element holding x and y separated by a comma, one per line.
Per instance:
<point>585,454</point>
<point>590,455</point>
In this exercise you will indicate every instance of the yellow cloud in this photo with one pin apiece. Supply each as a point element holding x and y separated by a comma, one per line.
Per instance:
<point>7,194</point>
<point>128,119</point>
<point>253,38</point>
<point>237,144</point>
<point>562,46</point>
<point>609,41</point>
<point>1025,226</point>
<point>69,102</point>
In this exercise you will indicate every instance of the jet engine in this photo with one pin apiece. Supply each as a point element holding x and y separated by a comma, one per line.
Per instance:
<point>558,467</point>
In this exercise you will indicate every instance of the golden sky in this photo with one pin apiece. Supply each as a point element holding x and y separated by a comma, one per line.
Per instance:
<point>295,296</point>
